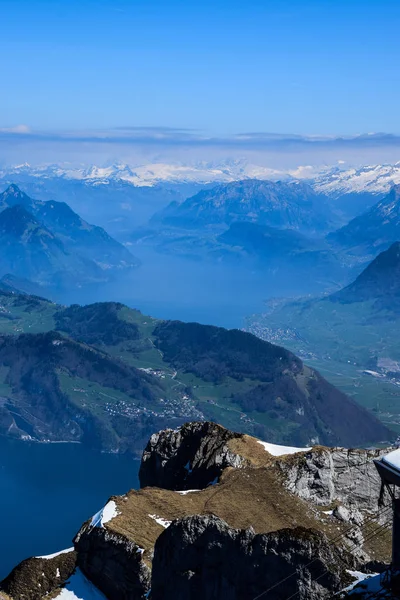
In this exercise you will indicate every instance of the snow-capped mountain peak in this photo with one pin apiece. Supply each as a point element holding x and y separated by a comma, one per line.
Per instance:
<point>333,181</point>
<point>375,179</point>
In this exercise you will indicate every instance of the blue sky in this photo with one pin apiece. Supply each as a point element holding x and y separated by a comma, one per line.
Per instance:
<point>288,66</point>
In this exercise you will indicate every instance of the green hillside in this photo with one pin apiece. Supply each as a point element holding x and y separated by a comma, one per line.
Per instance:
<point>107,375</point>
<point>353,345</point>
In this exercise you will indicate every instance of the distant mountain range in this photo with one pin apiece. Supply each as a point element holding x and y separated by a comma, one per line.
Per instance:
<point>206,225</point>
<point>48,243</point>
<point>372,179</point>
<point>289,205</point>
<point>372,231</point>
<point>122,197</point>
<point>145,175</point>
<point>108,376</point>
<point>332,181</point>
<point>278,226</point>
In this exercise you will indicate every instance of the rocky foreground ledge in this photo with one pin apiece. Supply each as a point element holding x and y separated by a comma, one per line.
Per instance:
<point>223,515</point>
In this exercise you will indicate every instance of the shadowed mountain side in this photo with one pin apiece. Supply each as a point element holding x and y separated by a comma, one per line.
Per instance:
<point>373,231</point>
<point>50,244</point>
<point>380,281</point>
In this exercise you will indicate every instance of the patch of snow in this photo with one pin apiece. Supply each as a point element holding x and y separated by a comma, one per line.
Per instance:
<point>393,458</point>
<point>276,450</point>
<point>373,373</point>
<point>365,582</point>
<point>328,512</point>
<point>184,492</point>
<point>80,588</point>
<point>58,572</point>
<point>163,522</point>
<point>49,556</point>
<point>108,512</point>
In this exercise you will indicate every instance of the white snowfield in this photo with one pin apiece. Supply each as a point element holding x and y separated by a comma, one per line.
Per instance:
<point>376,179</point>
<point>147,175</point>
<point>365,584</point>
<point>163,522</point>
<point>276,450</point>
<point>49,556</point>
<point>80,588</point>
<point>108,512</point>
<point>393,459</point>
<point>331,180</point>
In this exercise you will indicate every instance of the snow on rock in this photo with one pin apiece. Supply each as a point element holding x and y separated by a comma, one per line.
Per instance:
<point>108,512</point>
<point>276,450</point>
<point>184,492</point>
<point>331,180</point>
<point>49,556</point>
<point>393,459</point>
<point>163,522</point>
<point>80,588</point>
<point>368,583</point>
<point>376,179</point>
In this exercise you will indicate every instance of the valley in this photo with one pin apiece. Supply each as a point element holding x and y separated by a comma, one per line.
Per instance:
<point>350,336</point>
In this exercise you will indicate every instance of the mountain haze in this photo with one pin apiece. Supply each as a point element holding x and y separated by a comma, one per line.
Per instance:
<point>276,204</point>
<point>50,244</point>
<point>350,336</point>
<point>379,281</point>
<point>374,230</point>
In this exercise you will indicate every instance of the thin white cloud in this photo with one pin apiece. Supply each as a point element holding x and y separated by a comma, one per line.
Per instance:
<point>145,145</point>
<point>24,129</point>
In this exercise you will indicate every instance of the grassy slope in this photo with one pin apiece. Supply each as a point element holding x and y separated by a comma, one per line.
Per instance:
<point>341,341</point>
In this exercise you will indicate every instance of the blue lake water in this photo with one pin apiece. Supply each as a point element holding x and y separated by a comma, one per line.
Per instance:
<point>171,287</point>
<point>48,490</point>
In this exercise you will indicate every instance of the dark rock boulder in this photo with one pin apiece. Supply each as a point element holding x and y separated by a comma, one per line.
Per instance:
<point>34,578</point>
<point>190,457</point>
<point>202,558</point>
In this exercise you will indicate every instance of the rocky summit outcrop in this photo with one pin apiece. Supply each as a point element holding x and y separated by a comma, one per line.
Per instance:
<point>224,515</point>
<point>190,457</point>
<point>327,475</point>
<point>202,557</point>
<point>36,577</point>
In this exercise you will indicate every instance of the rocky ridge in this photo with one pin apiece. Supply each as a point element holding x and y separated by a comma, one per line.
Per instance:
<point>218,515</point>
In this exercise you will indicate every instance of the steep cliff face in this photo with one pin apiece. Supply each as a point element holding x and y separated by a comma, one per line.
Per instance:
<point>326,475</point>
<point>113,563</point>
<point>202,558</point>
